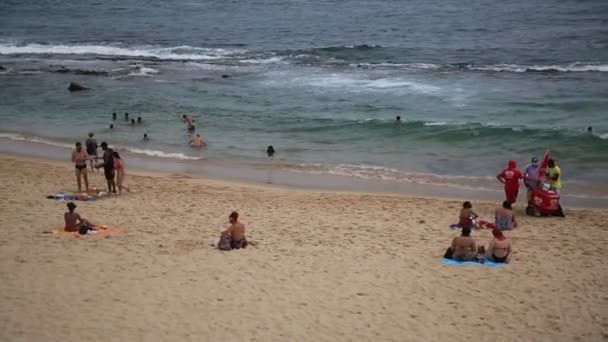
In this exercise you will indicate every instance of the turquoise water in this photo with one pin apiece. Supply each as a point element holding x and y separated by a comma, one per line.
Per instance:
<point>476,83</point>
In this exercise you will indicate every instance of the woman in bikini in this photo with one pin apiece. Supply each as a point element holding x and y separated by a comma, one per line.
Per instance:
<point>499,249</point>
<point>119,168</point>
<point>505,218</point>
<point>80,158</point>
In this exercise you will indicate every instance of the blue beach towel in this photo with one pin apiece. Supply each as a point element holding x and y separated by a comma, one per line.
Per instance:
<point>472,263</point>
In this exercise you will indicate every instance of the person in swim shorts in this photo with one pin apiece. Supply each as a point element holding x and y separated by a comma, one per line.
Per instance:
<point>234,236</point>
<point>108,166</point>
<point>510,178</point>
<point>80,158</point>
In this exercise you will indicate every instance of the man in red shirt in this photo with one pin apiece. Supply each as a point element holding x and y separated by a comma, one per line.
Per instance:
<point>510,178</point>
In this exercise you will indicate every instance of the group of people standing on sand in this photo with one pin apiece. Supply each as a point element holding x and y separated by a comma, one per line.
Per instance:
<point>111,162</point>
<point>464,248</point>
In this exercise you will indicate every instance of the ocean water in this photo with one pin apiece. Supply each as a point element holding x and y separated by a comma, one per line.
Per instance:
<point>476,83</point>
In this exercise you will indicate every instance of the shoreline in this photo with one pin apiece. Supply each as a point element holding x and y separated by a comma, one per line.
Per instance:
<point>266,174</point>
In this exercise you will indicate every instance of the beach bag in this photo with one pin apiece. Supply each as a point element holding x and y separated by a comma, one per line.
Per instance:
<point>225,242</point>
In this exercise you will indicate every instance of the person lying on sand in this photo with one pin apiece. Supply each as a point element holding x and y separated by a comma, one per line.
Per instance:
<point>197,141</point>
<point>234,236</point>
<point>505,218</point>
<point>463,247</point>
<point>499,249</point>
<point>467,216</point>
<point>75,223</point>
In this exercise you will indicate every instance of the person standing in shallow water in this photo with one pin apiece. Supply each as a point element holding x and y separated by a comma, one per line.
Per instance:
<point>114,116</point>
<point>397,122</point>
<point>270,151</point>
<point>127,117</point>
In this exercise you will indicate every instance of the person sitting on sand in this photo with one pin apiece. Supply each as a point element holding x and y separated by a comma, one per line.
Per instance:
<point>463,247</point>
<point>505,218</point>
<point>467,216</point>
<point>197,141</point>
<point>73,221</point>
<point>499,249</point>
<point>234,236</point>
<point>80,158</point>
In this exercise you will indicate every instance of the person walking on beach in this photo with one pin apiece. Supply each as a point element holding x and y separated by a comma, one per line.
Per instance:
<point>531,176</point>
<point>108,166</point>
<point>510,178</point>
<point>119,168</point>
<point>80,158</point>
<point>555,176</point>
<point>91,145</point>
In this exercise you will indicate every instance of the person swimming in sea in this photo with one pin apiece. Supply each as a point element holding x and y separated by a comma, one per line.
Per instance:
<point>139,120</point>
<point>146,137</point>
<point>270,151</point>
<point>197,141</point>
<point>189,120</point>
<point>590,129</point>
<point>111,126</point>
<point>397,122</point>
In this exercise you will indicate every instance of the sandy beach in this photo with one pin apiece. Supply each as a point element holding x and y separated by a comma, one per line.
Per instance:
<point>329,266</point>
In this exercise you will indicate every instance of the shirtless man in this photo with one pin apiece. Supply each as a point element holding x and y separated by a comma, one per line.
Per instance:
<point>73,221</point>
<point>463,246</point>
<point>197,141</point>
<point>236,232</point>
<point>188,120</point>
<point>80,158</point>
<point>108,166</point>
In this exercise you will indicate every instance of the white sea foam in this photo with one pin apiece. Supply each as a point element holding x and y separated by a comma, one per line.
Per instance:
<point>271,60</point>
<point>151,153</point>
<point>572,67</point>
<point>159,154</point>
<point>140,70</point>
<point>344,82</point>
<point>179,52</point>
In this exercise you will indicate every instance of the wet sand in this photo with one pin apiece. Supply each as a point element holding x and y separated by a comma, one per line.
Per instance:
<point>329,266</point>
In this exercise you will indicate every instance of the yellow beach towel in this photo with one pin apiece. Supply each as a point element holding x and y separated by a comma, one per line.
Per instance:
<point>102,232</point>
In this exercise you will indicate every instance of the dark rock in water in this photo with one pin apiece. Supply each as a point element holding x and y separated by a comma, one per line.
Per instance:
<point>2,68</point>
<point>77,87</point>
<point>225,76</point>
<point>63,70</point>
